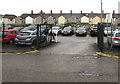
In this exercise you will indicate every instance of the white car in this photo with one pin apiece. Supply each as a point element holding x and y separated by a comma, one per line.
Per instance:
<point>107,30</point>
<point>114,39</point>
<point>56,30</point>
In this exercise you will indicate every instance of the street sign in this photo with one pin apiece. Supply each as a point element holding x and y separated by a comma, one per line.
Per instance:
<point>109,16</point>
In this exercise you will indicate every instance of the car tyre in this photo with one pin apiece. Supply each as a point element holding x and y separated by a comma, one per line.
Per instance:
<point>11,42</point>
<point>33,43</point>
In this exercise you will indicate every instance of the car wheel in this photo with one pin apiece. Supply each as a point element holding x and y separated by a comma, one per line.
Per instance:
<point>33,43</point>
<point>11,42</point>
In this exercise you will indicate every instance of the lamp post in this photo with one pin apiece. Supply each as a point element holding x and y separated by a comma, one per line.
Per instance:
<point>101,12</point>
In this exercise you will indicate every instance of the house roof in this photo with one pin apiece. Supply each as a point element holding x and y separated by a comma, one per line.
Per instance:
<point>9,16</point>
<point>66,15</point>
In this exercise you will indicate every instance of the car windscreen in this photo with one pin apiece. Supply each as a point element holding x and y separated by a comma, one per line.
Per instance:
<point>117,34</point>
<point>109,28</point>
<point>30,28</point>
<point>81,29</point>
<point>67,28</point>
<point>55,28</point>
<point>1,33</point>
<point>24,33</point>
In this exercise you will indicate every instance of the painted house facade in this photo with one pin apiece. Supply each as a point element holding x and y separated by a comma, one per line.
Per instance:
<point>1,19</point>
<point>62,18</point>
<point>9,19</point>
<point>18,20</point>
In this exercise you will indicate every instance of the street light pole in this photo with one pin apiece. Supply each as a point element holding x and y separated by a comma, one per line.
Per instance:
<point>101,12</point>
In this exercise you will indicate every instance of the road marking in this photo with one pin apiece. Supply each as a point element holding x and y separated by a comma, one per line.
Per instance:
<point>103,54</point>
<point>34,51</point>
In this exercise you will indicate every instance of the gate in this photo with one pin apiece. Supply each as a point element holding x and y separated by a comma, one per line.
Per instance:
<point>43,33</point>
<point>100,37</point>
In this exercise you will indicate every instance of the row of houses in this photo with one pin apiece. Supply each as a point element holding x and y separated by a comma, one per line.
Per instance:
<point>56,18</point>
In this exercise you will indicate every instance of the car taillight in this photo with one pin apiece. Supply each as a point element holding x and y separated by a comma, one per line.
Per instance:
<point>116,38</point>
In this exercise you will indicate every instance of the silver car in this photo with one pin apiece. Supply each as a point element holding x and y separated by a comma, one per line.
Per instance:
<point>107,30</point>
<point>114,39</point>
<point>28,38</point>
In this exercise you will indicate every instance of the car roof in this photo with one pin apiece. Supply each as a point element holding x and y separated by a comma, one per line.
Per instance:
<point>28,31</point>
<point>10,30</point>
<point>81,27</point>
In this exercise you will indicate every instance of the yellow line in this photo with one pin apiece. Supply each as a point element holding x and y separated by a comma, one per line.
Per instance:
<point>21,52</point>
<point>103,54</point>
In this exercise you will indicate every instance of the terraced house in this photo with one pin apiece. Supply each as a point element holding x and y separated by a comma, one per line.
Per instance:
<point>58,18</point>
<point>62,18</point>
<point>9,19</point>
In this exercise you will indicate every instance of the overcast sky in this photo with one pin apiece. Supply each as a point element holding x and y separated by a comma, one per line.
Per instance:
<point>19,7</point>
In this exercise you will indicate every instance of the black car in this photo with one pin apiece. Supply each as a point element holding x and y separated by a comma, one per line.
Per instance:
<point>81,31</point>
<point>67,31</point>
<point>93,31</point>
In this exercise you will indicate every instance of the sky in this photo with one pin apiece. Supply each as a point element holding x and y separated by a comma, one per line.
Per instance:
<point>18,7</point>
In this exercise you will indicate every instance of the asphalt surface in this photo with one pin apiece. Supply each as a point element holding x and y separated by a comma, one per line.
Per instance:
<point>71,59</point>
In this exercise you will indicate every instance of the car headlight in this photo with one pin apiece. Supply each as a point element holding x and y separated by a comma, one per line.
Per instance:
<point>29,38</point>
<point>68,31</point>
<point>16,38</point>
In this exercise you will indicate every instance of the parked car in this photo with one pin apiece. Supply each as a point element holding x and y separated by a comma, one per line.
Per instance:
<point>115,41</point>
<point>28,38</point>
<point>107,30</point>
<point>93,31</point>
<point>55,30</point>
<point>67,31</point>
<point>9,36</point>
<point>81,31</point>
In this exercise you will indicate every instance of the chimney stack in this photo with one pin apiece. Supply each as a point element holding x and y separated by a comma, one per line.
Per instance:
<point>113,11</point>
<point>31,11</point>
<point>41,12</point>
<point>51,12</point>
<point>91,12</point>
<point>81,11</point>
<point>71,12</point>
<point>61,12</point>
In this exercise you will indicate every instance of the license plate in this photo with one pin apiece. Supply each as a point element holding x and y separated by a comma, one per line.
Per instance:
<point>21,42</point>
<point>65,33</point>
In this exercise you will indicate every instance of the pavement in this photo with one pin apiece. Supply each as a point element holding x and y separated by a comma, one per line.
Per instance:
<point>71,59</point>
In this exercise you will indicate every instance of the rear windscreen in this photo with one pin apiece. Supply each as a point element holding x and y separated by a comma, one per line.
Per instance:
<point>24,33</point>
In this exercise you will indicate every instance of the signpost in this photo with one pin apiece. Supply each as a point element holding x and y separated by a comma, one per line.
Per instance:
<point>3,34</point>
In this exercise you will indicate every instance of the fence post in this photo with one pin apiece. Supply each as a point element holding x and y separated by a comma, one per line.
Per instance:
<point>100,41</point>
<point>37,38</point>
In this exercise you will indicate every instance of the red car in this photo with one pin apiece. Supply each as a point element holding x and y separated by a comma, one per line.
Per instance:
<point>9,36</point>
